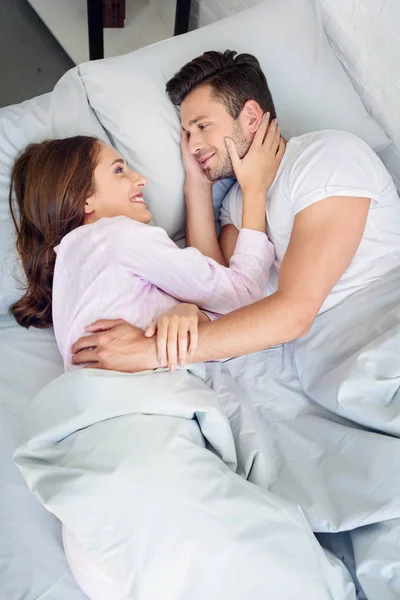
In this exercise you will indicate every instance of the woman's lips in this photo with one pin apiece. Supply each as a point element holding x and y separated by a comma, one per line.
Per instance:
<point>138,199</point>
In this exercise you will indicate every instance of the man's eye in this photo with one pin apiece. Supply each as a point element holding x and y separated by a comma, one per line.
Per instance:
<point>203,125</point>
<point>119,170</point>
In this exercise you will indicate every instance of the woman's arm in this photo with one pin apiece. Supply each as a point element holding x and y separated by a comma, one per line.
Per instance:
<point>200,225</point>
<point>227,240</point>
<point>186,274</point>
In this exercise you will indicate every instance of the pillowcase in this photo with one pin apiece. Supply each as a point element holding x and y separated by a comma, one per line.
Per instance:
<point>59,114</point>
<point>309,86</point>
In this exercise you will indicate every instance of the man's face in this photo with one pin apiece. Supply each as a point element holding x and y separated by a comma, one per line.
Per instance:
<point>207,122</point>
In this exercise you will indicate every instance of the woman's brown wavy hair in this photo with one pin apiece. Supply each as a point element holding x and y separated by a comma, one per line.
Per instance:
<point>50,182</point>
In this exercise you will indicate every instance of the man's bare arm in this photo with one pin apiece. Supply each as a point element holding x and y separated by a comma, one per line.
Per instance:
<point>324,240</point>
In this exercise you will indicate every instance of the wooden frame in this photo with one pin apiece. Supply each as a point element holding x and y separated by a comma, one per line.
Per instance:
<point>107,13</point>
<point>114,13</point>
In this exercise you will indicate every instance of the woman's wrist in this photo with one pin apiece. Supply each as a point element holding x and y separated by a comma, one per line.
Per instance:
<point>254,210</point>
<point>193,187</point>
<point>203,317</point>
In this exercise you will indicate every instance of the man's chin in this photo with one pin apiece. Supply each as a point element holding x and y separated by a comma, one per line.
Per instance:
<point>215,175</point>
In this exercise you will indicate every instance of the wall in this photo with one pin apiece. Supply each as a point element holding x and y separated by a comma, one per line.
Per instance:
<point>365,36</point>
<point>166,11</point>
<point>205,12</point>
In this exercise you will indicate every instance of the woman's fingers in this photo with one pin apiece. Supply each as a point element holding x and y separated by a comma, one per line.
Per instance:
<point>173,339</point>
<point>151,330</point>
<point>194,336</point>
<point>281,150</point>
<point>270,135</point>
<point>262,130</point>
<point>172,343</point>
<point>183,341</point>
<point>276,140</point>
<point>162,336</point>
<point>233,154</point>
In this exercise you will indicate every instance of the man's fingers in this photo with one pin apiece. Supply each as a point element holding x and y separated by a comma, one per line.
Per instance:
<point>151,330</point>
<point>85,342</point>
<point>103,325</point>
<point>85,356</point>
<point>233,154</point>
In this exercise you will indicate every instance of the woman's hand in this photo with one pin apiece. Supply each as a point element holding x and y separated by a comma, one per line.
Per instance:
<point>256,171</point>
<point>177,334</point>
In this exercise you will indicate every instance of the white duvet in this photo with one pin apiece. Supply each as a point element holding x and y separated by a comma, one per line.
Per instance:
<point>173,487</point>
<point>141,470</point>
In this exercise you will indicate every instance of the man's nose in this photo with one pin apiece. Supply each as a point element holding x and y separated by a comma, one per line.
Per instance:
<point>195,144</point>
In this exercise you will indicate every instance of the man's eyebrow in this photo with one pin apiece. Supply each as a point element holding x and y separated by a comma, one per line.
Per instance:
<point>194,121</point>
<point>118,160</point>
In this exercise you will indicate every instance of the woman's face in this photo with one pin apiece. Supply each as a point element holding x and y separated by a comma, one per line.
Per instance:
<point>118,190</point>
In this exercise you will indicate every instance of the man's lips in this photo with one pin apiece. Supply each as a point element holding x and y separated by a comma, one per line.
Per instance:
<point>204,160</point>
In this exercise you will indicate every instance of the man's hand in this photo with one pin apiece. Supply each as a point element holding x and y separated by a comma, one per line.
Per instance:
<point>256,171</point>
<point>117,346</point>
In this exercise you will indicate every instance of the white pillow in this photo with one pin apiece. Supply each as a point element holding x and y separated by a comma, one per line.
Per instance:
<point>309,86</point>
<point>60,114</point>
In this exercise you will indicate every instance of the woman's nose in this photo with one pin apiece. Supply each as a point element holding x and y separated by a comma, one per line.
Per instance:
<point>138,180</point>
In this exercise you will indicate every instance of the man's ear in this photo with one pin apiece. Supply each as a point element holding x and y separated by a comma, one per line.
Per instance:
<point>251,116</point>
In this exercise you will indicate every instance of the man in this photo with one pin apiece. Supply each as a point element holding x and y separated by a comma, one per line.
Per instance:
<point>332,213</point>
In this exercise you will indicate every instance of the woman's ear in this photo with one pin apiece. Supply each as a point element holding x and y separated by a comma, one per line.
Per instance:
<point>251,116</point>
<point>89,205</point>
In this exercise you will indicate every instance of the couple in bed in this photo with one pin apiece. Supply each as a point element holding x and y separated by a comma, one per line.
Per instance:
<point>122,296</point>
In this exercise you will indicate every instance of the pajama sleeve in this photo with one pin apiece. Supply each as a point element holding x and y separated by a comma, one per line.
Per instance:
<point>188,275</point>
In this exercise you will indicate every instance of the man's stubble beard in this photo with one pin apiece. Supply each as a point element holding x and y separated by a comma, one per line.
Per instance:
<point>225,168</point>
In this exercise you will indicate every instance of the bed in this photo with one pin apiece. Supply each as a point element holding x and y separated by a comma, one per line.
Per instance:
<point>315,422</point>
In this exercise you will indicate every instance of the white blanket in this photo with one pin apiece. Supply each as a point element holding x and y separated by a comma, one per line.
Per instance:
<point>140,469</point>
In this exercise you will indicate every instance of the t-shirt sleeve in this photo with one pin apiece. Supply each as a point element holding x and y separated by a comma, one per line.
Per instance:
<point>335,164</point>
<point>231,209</point>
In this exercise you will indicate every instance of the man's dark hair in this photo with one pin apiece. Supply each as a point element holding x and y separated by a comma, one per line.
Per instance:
<point>234,79</point>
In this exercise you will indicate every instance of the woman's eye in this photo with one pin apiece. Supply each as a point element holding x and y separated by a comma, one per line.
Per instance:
<point>119,170</point>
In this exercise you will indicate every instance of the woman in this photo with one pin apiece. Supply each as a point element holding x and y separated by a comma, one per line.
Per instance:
<point>88,252</point>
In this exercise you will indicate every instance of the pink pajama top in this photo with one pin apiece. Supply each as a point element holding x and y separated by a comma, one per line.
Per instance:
<point>120,268</point>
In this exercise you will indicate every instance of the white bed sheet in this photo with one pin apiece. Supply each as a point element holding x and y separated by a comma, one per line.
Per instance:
<point>32,560</point>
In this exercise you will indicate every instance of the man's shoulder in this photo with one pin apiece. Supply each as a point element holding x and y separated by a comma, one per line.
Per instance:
<point>327,140</point>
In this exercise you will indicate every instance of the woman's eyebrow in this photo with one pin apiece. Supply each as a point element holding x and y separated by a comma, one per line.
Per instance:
<point>118,160</point>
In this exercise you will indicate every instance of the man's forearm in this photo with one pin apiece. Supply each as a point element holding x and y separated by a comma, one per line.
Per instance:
<point>200,224</point>
<point>269,322</point>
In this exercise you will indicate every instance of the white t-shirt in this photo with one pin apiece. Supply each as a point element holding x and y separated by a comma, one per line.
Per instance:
<point>316,166</point>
